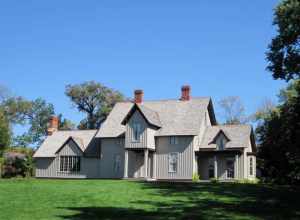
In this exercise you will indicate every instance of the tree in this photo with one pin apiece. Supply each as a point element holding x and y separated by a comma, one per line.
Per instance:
<point>65,124</point>
<point>4,133</point>
<point>34,113</point>
<point>279,140</point>
<point>265,109</point>
<point>233,110</point>
<point>95,100</point>
<point>283,54</point>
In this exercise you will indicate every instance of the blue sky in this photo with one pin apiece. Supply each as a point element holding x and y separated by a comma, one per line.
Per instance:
<point>217,47</point>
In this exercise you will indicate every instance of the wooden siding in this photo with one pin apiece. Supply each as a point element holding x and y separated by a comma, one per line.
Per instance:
<point>49,167</point>
<point>142,143</point>
<point>203,161</point>
<point>110,147</point>
<point>147,139</point>
<point>185,151</point>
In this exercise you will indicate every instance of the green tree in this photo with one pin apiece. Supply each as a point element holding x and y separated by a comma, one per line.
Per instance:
<point>34,113</point>
<point>65,124</point>
<point>284,51</point>
<point>279,140</point>
<point>4,133</point>
<point>93,99</point>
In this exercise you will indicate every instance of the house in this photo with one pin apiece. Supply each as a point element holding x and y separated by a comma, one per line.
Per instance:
<point>163,140</point>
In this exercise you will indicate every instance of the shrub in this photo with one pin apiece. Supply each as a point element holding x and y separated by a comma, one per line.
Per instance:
<point>214,180</point>
<point>196,177</point>
<point>247,181</point>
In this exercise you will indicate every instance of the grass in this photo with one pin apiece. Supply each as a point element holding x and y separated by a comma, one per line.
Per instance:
<point>116,199</point>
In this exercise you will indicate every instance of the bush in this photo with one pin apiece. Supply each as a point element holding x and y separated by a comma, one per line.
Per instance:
<point>214,180</point>
<point>247,181</point>
<point>196,177</point>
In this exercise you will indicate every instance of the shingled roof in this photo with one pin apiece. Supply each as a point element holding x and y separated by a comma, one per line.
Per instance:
<point>238,135</point>
<point>174,117</point>
<point>55,141</point>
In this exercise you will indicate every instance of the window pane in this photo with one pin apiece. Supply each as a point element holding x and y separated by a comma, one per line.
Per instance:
<point>173,162</point>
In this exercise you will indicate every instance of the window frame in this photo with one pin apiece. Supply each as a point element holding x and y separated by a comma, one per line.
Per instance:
<point>251,170</point>
<point>136,132</point>
<point>170,155</point>
<point>69,164</point>
<point>173,140</point>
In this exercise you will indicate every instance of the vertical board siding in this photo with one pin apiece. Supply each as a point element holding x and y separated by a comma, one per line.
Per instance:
<point>203,162</point>
<point>110,147</point>
<point>185,151</point>
<point>142,143</point>
<point>49,167</point>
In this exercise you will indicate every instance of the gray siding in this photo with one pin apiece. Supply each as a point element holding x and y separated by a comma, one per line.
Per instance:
<point>185,151</point>
<point>142,143</point>
<point>110,148</point>
<point>203,161</point>
<point>49,167</point>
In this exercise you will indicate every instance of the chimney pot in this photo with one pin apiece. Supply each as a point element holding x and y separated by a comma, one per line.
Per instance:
<point>138,96</point>
<point>53,125</point>
<point>185,93</point>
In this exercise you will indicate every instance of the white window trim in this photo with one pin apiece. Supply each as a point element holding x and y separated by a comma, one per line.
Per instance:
<point>69,163</point>
<point>177,158</point>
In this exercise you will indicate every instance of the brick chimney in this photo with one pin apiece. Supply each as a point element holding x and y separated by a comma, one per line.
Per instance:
<point>52,125</point>
<point>138,96</point>
<point>185,93</point>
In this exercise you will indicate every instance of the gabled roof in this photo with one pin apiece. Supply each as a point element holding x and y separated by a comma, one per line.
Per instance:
<point>53,143</point>
<point>149,115</point>
<point>239,136</point>
<point>78,141</point>
<point>175,117</point>
<point>221,131</point>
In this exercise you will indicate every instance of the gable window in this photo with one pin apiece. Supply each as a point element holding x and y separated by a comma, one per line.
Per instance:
<point>173,162</point>
<point>221,144</point>
<point>136,129</point>
<point>173,140</point>
<point>69,163</point>
<point>251,166</point>
<point>230,168</point>
<point>117,163</point>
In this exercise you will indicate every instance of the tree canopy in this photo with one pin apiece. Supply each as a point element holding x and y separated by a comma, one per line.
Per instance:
<point>4,133</point>
<point>284,51</point>
<point>279,140</point>
<point>93,99</point>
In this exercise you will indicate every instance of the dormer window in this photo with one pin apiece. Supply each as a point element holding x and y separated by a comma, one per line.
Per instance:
<point>221,144</point>
<point>136,130</point>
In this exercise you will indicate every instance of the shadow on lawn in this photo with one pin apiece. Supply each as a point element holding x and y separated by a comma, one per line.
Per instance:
<point>203,201</point>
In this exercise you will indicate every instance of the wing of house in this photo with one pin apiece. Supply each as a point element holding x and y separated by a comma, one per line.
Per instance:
<point>165,139</point>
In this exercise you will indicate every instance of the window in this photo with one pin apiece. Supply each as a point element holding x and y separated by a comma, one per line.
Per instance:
<point>117,163</point>
<point>69,163</point>
<point>230,168</point>
<point>251,166</point>
<point>173,140</point>
<point>173,162</point>
<point>136,132</point>
<point>221,144</point>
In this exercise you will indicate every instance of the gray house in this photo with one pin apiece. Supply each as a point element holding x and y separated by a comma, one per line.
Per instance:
<point>163,140</point>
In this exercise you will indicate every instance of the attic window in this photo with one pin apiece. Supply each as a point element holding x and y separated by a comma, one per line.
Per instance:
<point>136,130</point>
<point>221,143</point>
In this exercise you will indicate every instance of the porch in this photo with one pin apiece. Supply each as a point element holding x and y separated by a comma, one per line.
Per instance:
<point>139,164</point>
<point>223,165</point>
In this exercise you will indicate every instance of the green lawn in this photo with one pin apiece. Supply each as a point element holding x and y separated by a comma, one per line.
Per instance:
<point>116,199</point>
